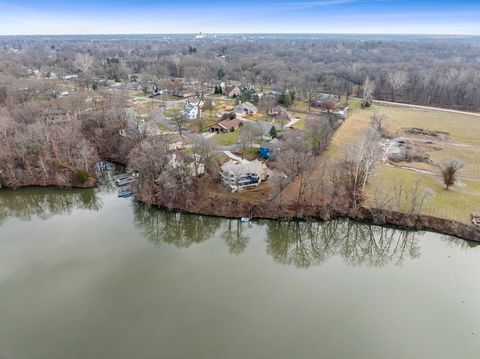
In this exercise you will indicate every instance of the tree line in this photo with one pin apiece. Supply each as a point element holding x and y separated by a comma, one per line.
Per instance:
<point>430,72</point>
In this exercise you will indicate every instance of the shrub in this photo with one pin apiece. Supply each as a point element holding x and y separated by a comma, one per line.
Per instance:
<point>81,176</point>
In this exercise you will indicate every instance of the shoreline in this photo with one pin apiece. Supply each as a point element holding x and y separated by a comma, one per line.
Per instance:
<point>238,208</point>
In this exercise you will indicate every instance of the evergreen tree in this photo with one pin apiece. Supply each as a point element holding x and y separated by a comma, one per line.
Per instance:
<point>273,132</point>
<point>285,99</point>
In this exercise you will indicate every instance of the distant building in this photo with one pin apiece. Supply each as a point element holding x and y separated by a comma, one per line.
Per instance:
<point>242,175</point>
<point>232,91</point>
<point>280,113</point>
<point>322,99</point>
<point>201,36</point>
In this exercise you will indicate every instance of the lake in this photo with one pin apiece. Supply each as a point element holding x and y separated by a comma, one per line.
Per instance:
<point>85,274</point>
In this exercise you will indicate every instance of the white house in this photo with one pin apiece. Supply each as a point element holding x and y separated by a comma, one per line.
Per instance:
<point>191,111</point>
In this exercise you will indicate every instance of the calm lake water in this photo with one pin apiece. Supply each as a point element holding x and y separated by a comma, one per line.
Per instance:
<point>84,274</point>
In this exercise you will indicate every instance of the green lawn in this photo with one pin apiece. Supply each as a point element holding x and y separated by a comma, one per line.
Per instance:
<point>457,204</point>
<point>249,154</point>
<point>227,139</point>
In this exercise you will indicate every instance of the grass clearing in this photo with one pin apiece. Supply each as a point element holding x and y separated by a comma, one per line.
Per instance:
<point>456,204</point>
<point>228,138</point>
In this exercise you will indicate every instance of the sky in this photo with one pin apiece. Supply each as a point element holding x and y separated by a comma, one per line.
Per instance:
<point>47,17</point>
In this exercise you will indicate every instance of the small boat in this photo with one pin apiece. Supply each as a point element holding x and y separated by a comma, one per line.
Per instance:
<point>125,179</point>
<point>245,219</point>
<point>126,195</point>
<point>125,192</point>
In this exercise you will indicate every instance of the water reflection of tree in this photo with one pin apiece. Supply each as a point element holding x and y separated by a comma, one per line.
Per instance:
<point>234,237</point>
<point>105,172</point>
<point>45,202</point>
<point>304,244</point>
<point>179,229</point>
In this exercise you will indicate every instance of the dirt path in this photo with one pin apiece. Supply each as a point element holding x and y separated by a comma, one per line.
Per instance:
<point>425,172</point>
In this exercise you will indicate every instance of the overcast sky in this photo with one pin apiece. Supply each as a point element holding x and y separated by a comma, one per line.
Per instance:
<point>235,16</point>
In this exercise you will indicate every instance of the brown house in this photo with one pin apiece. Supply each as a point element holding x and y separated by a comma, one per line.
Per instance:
<point>232,91</point>
<point>226,126</point>
<point>279,113</point>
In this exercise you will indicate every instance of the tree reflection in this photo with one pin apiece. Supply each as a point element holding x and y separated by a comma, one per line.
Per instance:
<point>179,229</point>
<point>234,237</point>
<point>45,202</point>
<point>304,244</point>
<point>105,172</point>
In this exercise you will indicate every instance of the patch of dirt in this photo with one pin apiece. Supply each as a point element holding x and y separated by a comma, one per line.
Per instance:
<point>408,150</point>
<point>428,133</point>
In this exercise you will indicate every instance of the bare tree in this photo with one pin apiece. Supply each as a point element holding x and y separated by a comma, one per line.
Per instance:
<point>318,130</point>
<point>396,80</point>
<point>360,161</point>
<point>179,120</point>
<point>209,105</point>
<point>296,162</point>
<point>249,133</point>
<point>368,89</point>
<point>204,152</point>
<point>377,121</point>
<point>448,169</point>
<point>329,106</point>
<point>84,62</point>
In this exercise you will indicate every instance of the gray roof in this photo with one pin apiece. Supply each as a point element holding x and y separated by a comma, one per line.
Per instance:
<point>245,106</point>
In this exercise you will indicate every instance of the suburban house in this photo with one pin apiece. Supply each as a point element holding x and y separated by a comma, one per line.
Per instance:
<point>322,99</point>
<point>228,125</point>
<point>232,91</point>
<point>272,148</point>
<point>245,109</point>
<point>280,113</point>
<point>242,175</point>
<point>183,93</point>
<point>191,111</point>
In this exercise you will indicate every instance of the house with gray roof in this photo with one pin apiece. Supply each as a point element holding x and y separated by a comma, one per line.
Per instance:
<point>245,109</point>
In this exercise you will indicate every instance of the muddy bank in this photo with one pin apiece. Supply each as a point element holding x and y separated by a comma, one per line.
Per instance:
<point>219,205</point>
<point>55,182</point>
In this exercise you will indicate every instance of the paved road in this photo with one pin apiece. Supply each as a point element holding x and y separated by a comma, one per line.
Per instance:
<point>157,116</point>
<point>397,104</point>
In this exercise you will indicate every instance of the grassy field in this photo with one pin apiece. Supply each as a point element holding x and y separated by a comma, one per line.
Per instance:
<point>457,203</point>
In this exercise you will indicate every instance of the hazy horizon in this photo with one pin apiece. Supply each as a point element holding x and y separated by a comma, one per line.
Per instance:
<point>348,17</point>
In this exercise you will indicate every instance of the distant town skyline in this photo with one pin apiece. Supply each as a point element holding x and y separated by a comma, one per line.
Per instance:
<point>51,17</point>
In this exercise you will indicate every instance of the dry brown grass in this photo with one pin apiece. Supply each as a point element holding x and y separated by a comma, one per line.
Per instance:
<point>464,198</point>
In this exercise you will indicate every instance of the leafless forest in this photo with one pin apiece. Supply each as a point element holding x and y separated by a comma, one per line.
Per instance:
<point>430,71</point>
